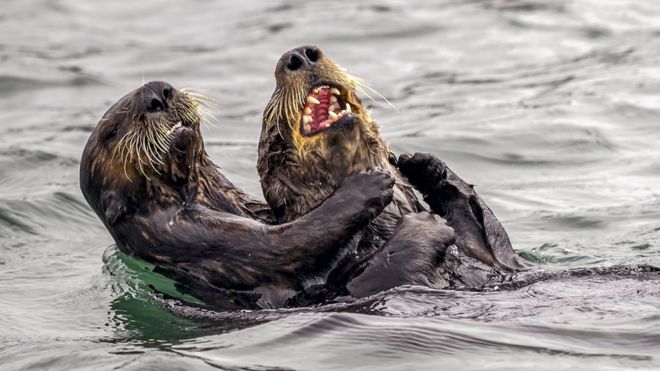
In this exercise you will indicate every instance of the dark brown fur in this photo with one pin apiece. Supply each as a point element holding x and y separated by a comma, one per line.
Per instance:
<point>171,206</point>
<point>298,172</point>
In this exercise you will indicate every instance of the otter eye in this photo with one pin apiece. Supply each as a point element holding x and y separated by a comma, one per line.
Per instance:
<point>111,134</point>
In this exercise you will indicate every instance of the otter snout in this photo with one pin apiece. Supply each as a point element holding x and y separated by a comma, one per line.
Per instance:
<point>301,59</point>
<point>156,95</point>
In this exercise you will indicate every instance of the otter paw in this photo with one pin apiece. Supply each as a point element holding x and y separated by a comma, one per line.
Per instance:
<point>374,187</point>
<point>411,256</point>
<point>423,170</point>
<point>183,140</point>
<point>183,150</point>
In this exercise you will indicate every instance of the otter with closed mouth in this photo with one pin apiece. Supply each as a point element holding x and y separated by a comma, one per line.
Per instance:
<point>145,173</point>
<point>316,132</point>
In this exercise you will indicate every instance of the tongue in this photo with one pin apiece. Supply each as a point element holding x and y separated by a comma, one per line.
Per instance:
<point>320,111</point>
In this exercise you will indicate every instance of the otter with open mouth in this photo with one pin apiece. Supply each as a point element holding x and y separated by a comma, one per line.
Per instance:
<point>145,173</point>
<point>316,132</point>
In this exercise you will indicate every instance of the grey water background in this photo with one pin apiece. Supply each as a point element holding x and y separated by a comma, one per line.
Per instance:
<point>549,107</point>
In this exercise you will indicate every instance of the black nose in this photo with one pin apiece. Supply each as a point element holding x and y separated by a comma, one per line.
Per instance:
<point>302,58</point>
<point>156,95</point>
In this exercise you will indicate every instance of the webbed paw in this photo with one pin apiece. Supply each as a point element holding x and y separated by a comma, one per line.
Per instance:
<point>423,170</point>
<point>373,187</point>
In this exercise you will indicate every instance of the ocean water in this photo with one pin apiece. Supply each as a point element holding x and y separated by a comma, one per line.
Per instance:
<point>550,107</point>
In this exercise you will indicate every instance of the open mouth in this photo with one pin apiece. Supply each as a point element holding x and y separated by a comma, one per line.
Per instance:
<point>323,108</point>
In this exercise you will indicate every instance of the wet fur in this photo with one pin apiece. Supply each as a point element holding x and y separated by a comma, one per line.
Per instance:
<point>183,215</point>
<point>298,172</point>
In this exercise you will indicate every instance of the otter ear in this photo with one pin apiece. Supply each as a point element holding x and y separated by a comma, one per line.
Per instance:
<point>115,207</point>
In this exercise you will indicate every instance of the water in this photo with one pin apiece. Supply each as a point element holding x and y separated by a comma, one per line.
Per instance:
<point>550,107</point>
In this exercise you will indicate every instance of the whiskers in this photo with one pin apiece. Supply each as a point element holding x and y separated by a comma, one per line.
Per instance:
<point>363,87</point>
<point>285,105</point>
<point>203,105</point>
<point>288,100</point>
<point>145,146</point>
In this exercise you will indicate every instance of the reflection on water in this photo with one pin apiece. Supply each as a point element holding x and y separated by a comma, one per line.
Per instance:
<point>549,107</point>
<point>135,314</point>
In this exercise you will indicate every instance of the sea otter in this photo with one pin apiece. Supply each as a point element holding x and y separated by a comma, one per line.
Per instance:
<point>316,132</point>
<point>145,173</point>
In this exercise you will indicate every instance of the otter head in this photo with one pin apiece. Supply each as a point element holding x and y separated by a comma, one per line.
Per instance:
<point>315,132</point>
<point>146,148</point>
<point>316,111</point>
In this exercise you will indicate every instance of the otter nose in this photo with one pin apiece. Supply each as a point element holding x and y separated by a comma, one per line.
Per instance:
<point>156,95</point>
<point>302,58</point>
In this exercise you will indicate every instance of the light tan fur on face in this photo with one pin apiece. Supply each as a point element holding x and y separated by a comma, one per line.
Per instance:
<point>299,171</point>
<point>141,149</point>
<point>287,102</point>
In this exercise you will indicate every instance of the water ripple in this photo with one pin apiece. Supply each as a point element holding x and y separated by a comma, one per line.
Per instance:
<point>550,108</point>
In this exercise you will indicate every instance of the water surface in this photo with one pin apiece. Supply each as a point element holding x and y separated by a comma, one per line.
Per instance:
<point>549,107</point>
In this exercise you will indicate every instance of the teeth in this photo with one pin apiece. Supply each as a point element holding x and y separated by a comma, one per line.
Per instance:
<point>327,124</point>
<point>178,125</point>
<point>333,107</point>
<point>312,100</point>
<point>307,128</point>
<point>348,108</point>
<point>333,99</point>
<point>307,119</point>
<point>335,91</point>
<point>333,115</point>
<point>308,111</point>
<point>315,90</point>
